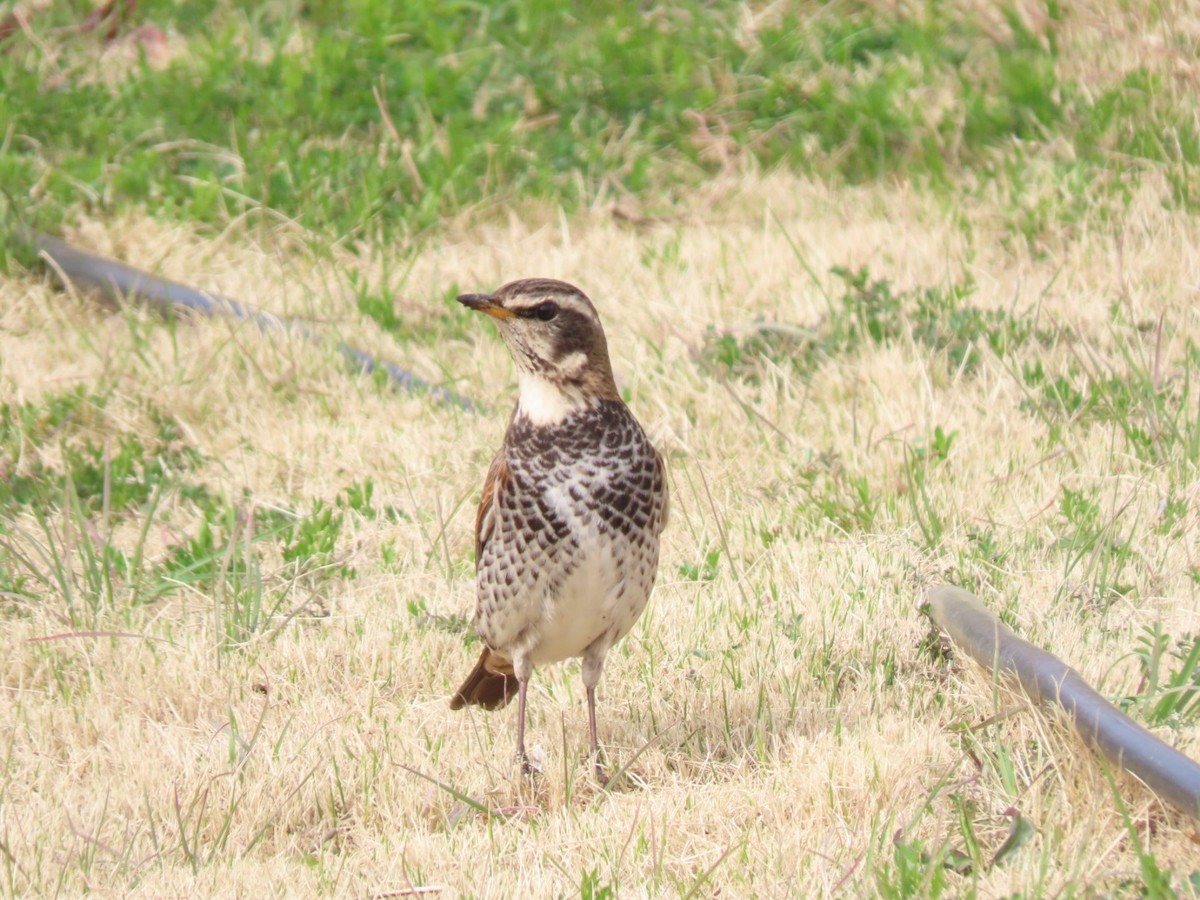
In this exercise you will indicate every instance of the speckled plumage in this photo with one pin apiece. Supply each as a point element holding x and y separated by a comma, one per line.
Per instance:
<point>569,544</point>
<point>567,532</point>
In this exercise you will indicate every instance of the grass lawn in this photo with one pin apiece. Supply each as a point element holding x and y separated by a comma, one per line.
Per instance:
<point>905,293</point>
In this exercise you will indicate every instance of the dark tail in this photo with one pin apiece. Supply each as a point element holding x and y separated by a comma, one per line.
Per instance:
<point>491,684</point>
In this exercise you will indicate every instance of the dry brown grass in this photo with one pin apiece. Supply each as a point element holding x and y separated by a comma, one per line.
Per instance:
<point>782,722</point>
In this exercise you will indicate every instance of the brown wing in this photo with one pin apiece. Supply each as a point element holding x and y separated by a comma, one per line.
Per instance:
<point>491,683</point>
<point>666,491</point>
<point>485,520</point>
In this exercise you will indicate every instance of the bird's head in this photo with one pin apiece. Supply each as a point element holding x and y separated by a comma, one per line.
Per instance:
<point>555,338</point>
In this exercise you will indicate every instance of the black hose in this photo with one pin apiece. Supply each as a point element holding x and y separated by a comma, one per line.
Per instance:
<point>118,280</point>
<point>1048,680</point>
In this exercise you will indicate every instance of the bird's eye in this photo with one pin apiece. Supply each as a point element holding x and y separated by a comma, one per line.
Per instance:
<point>545,311</point>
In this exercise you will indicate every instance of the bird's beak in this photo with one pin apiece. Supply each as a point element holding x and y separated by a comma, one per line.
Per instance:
<point>485,303</point>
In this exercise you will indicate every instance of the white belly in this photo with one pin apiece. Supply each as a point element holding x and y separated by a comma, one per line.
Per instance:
<point>597,600</point>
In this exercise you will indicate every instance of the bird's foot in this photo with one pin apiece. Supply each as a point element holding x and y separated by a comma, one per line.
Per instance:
<point>531,766</point>
<point>596,756</point>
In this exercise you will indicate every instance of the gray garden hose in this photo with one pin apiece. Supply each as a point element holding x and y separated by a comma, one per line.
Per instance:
<point>121,281</point>
<point>1049,681</point>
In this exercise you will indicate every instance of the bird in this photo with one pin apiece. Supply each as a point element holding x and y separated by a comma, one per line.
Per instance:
<point>573,506</point>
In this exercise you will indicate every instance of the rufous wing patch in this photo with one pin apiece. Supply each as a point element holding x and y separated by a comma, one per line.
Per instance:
<point>494,484</point>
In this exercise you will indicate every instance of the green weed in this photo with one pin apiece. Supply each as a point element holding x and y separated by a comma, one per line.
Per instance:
<point>1151,402</point>
<point>593,887</point>
<point>112,476</point>
<point>359,498</point>
<point>1169,693</point>
<point>1093,549</point>
<point>311,540</point>
<point>705,570</point>
<point>913,871</point>
<point>870,312</point>
<point>395,117</point>
<point>837,497</point>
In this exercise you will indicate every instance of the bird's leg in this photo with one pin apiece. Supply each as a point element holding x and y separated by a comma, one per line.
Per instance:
<point>601,775</point>
<point>593,665</point>
<point>523,669</point>
<point>521,755</point>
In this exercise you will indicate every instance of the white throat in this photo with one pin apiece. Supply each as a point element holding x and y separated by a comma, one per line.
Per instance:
<point>546,403</point>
